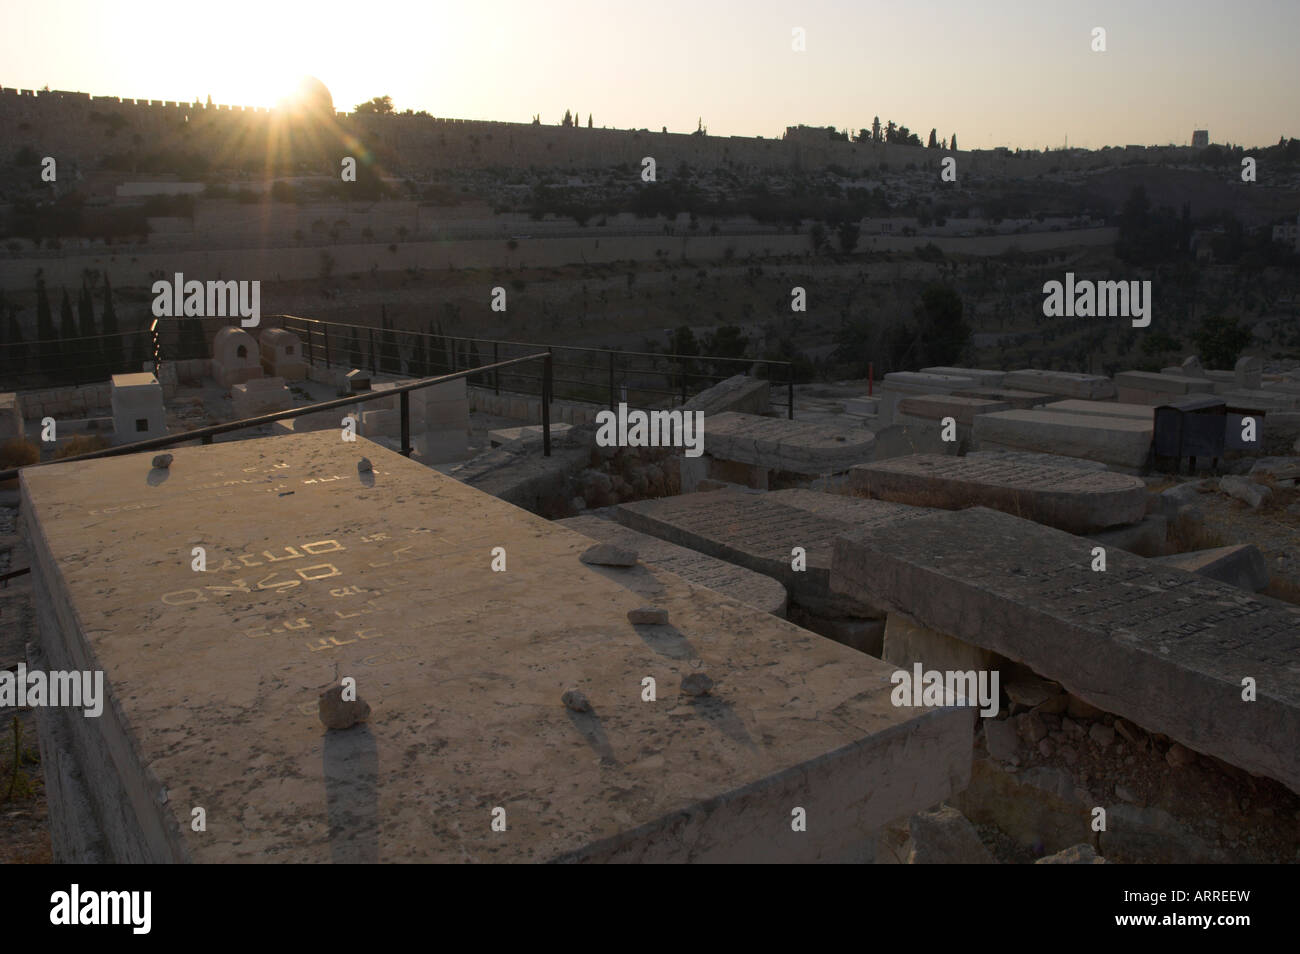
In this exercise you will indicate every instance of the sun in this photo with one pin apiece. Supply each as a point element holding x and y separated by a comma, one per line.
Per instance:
<point>308,96</point>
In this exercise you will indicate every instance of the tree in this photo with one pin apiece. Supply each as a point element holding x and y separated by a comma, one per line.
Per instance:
<point>380,105</point>
<point>953,142</point>
<point>933,143</point>
<point>817,237</point>
<point>85,313</point>
<point>729,341</point>
<point>943,332</point>
<point>112,346</point>
<point>13,355</point>
<point>1220,340</point>
<point>69,349</point>
<point>890,131</point>
<point>589,120</point>
<point>848,235</point>
<point>47,350</point>
<point>390,361</point>
<point>568,119</point>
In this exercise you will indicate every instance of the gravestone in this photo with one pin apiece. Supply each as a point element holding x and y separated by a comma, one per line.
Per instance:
<point>777,444</point>
<point>138,410</point>
<point>1162,647</point>
<point>317,570</point>
<point>282,354</point>
<point>1136,412</point>
<point>1119,442</point>
<point>935,407</point>
<point>236,357</point>
<point>1015,400</point>
<point>1145,387</point>
<point>752,589</point>
<point>1089,387</point>
<point>1073,500</point>
<point>760,531</point>
<point>11,417</point>
<point>260,396</point>
<point>737,393</point>
<point>1191,367</point>
<point>1248,373</point>
<point>900,384</point>
<point>982,378</point>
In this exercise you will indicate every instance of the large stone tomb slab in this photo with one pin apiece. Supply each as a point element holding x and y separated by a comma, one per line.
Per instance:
<point>1016,400</point>
<point>236,357</point>
<point>760,532</point>
<point>1074,500</point>
<point>1162,647</point>
<point>282,355</point>
<point>1117,441</point>
<point>935,407</point>
<point>899,384</point>
<point>987,379</point>
<point>316,571</point>
<point>778,444</point>
<point>753,589</point>
<point>739,392</point>
<point>1146,387</point>
<point>1088,387</point>
<point>1136,412</point>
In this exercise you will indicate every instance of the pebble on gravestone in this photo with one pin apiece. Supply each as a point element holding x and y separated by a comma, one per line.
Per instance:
<point>607,554</point>
<point>365,466</point>
<point>163,461</point>
<point>336,713</point>
<point>576,700</point>
<point>648,615</point>
<point>696,684</point>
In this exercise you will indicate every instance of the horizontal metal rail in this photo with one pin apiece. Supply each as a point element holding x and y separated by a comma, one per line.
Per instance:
<point>206,434</point>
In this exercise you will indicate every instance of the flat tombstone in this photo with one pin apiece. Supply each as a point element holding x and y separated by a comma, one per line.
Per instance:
<point>1191,367</point>
<point>1137,412</point>
<point>737,393</point>
<point>792,446</point>
<point>1159,646</point>
<point>1074,500</point>
<point>1089,387</point>
<point>1015,400</point>
<point>386,576</point>
<point>1116,441</point>
<point>935,407</point>
<point>985,379</point>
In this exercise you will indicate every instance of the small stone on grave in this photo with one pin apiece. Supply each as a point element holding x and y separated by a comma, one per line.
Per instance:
<point>696,684</point>
<point>607,554</point>
<point>365,466</point>
<point>336,713</point>
<point>163,461</point>
<point>575,700</point>
<point>648,615</point>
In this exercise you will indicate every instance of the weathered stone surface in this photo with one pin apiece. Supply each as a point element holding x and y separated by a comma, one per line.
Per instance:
<point>983,378</point>
<point>1147,537</point>
<point>608,554</point>
<point>1119,442</point>
<point>1083,854</point>
<point>760,531</point>
<point>1089,387</point>
<point>935,407</point>
<point>697,684</point>
<point>1164,648</point>
<point>213,680</point>
<point>791,446</point>
<point>1248,372</point>
<point>1240,565</point>
<point>576,700</point>
<point>900,384</point>
<point>1030,458</point>
<point>945,837</point>
<point>1191,367</point>
<point>530,432</point>
<point>163,461</point>
<point>915,437</point>
<point>737,393</point>
<point>1016,400</point>
<point>754,589</point>
<point>1245,490</point>
<point>339,713</point>
<point>11,417</point>
<point>1136,412</point>
<point>1001,739</point>
<point>1146,387</point>
<point>1073,500</point>
<point>908,642</point>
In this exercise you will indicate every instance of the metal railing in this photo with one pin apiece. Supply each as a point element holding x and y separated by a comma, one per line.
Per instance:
<point>205,434</point>
<point>594,375</point>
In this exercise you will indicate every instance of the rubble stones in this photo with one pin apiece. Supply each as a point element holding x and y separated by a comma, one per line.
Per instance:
<point>607,554</point>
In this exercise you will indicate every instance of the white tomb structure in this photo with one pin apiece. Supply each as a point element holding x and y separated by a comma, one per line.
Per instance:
<point>282,354</point>
<point>138,411</point>
<point>236,357</point>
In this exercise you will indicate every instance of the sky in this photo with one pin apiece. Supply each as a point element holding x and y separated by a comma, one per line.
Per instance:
<point>1016,74</point>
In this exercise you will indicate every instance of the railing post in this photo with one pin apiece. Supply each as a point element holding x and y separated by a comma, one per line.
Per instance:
<point>311,360</point>
<point>611,381</point>
<point>550,377</point>
<point>371,331</point>
<point>325,330</point>
<point>789,394</point>
<point>496,375</point>
<point>405,400</point>
<point>546,404</point>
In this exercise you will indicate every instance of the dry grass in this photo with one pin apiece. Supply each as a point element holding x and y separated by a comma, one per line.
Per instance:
<point>81,444</point>
<point>1283,589</point>
<point>1186,535</point>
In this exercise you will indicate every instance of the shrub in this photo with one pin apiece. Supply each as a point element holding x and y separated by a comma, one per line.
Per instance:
<point>81,444</point>
<point>18,452</point>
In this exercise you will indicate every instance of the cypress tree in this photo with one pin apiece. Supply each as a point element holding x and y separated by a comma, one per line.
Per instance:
<point>354,349</point>
<point>70,350</point>
<point>112,344</point>
<point>89,349</point>
<point>45,333</point>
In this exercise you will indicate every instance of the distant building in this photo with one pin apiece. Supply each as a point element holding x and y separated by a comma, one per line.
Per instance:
<point>1200,138</point>
<point>875,129</point>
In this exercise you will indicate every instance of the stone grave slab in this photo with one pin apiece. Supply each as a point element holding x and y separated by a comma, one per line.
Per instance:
<point>739,392</point>
<point>1089,387</point>
<point>935,407</point>
<point>1117,441</point>
<point>1074,500</point>
<point>11,417</point>
<point>316,571</point>
<point>1136,412</point>
<point>1038,460</point>
<point>1015,400</point>
<point>759,532</point>
<point>986,379</point>
<point>753,589</point>
<point>1157,645</point>
<point>530,432</point>
<point>1146,387</point>
<point>1242,565</point>
<point>783,445</point>
<point>899,384</point>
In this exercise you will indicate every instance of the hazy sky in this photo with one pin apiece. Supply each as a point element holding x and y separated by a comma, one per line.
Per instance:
<point>995,73</point>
